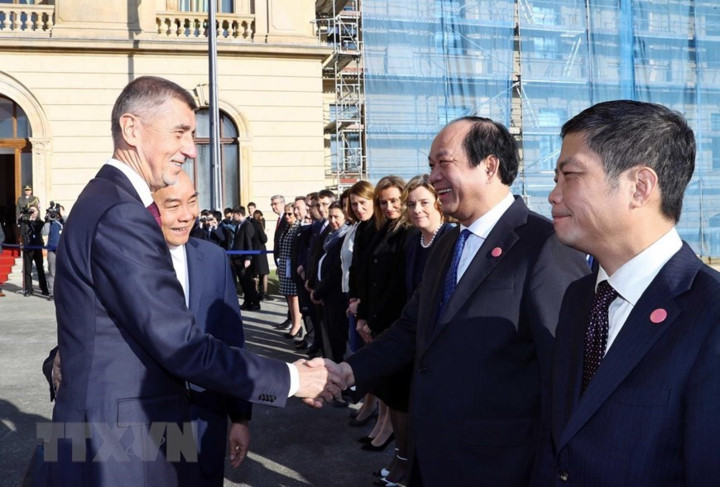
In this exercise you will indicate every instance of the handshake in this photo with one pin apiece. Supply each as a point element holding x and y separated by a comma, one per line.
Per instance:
<point>322,380</point>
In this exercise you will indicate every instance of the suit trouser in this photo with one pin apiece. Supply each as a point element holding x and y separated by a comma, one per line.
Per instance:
<point>247,282</point>
<point>36,256</point>
<point>51,257</point>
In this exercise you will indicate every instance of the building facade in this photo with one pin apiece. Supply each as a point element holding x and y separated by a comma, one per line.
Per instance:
<point>63,63</point>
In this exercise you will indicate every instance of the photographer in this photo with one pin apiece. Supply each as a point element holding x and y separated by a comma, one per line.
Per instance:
<point>31,231</point>
<point>53,228</point>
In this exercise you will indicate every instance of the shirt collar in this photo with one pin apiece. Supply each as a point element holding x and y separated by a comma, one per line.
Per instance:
<point>138,183</point>
<point>483,225</point>
<point>634,276</point>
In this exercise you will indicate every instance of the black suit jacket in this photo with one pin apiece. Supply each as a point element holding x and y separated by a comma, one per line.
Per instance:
<point>482,369</point>
<point>650,417</point>
<point>243,240</point>
<point>128,343</point>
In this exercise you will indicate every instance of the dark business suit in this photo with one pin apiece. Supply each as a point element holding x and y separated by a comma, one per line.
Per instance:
<point>128,341</point>
<point>279,230</point>
<point>482,369</point>
<point>214,304</point>
<point>650,417</point>
<point>329,290</point>
<point>243,240</point>
<point>215,307</point>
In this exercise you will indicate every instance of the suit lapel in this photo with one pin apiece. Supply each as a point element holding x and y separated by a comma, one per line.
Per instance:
<point>196,277</point>
<point>503,237</point>
<point>636,338</point>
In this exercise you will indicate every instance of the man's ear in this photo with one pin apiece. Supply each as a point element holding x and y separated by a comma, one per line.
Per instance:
<point>645,186</point>
<point>492,166</point>
<point>130,128</point>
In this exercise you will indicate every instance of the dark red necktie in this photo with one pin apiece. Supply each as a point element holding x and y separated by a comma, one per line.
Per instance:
<point>596,334</point>
<point>155,212</point>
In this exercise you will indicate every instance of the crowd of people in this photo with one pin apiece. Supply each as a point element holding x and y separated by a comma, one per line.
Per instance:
<point>478,335</point>
<point>346,267</point>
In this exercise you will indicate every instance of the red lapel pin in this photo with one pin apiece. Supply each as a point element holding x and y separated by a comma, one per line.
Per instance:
<point>658,316</point>
<point>496,252</point>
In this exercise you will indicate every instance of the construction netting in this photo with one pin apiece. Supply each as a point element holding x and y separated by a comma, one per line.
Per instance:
<point>428,62</point>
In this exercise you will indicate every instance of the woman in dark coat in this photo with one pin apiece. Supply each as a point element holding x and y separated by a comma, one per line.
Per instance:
<point>260,261</point>
<point>383,290</point>
<point>421,209</point>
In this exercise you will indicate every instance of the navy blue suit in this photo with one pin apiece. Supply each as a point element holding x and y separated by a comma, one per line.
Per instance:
<point>650,417</point>
<point>214,304</point>
<point>481,374</point>
<point>128,344</point>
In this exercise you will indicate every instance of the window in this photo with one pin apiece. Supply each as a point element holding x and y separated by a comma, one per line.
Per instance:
<point>223,6</point>
<point>229,155</point>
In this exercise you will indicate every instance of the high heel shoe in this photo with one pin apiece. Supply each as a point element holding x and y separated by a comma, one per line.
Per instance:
<point>362,422</point>
<point>371,447</point>
<point>365,440</point>
<point>298,334</point>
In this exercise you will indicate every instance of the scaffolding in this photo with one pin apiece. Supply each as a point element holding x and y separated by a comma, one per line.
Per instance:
<point>339,24</point>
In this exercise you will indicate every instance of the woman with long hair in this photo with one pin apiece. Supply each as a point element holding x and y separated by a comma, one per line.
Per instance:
<point>383,290</point>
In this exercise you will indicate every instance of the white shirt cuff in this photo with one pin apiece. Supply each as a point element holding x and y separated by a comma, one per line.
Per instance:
<point>294,379</point>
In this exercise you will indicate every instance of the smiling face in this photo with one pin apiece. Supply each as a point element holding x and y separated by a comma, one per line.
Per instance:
<point>163,141</point>
<point>422,209</point>
<point>178,209</point>
<point>589,212</point>
<point>458,183</point>
<point>390,204</point>
<point>362,207</point>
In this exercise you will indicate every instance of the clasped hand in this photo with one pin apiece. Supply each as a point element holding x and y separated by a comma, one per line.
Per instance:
<point>322,380</point>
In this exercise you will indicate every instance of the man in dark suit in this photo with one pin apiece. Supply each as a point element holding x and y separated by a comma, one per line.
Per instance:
<point>244,269</point>
<point>277,203</point>
<point>482,352</point>
<point>127,340</point>
<point>214,305</point>
<point>636,378</point>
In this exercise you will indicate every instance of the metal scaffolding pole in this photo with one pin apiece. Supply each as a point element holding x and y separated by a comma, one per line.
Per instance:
<point>216,172</point>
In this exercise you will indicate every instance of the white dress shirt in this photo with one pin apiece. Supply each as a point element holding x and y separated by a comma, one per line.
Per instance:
<point>633,278</point>
<point>479,230</point>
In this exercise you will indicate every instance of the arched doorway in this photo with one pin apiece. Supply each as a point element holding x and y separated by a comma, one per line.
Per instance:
<point>15,161</point>
<point>199,169</point>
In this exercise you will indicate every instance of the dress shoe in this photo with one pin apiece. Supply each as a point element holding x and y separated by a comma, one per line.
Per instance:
<point>362,422</point>
<point>285,325</point>
<point>384,482</point>
<point>298,334</point>
<point>371,447</point>
<point>250,307</point>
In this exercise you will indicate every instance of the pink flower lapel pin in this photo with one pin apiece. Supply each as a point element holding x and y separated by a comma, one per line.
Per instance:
<point>496,252</point>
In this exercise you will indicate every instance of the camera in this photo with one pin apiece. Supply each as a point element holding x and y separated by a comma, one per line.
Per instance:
<point>25,212</point>
<point>53,212</point>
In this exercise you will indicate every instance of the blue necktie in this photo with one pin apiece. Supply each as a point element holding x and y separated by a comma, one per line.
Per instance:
<point>451,276</point>
<point>596,334</point>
